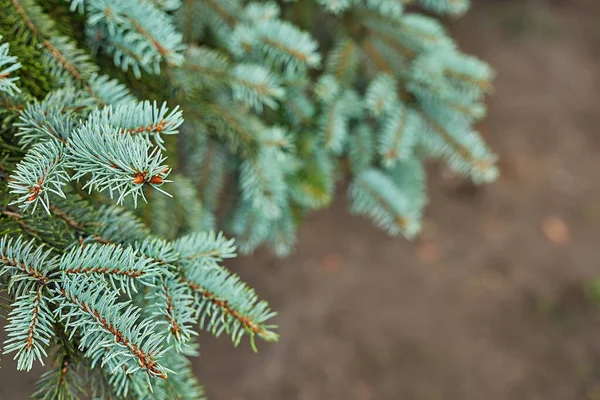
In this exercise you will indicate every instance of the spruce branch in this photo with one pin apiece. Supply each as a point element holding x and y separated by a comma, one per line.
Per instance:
<point>209,160</point>
<point>361,148</point>
<point>223,303</point>
<point>251,84</point>
<point>167,5</point>
<point>372,49</point>
<point>343,61</point>
<point>205,246</point>
<point>64,59</point>
<point>256,86</point>
<point>139,33</point>
<point>226,304</point>
<point>250,225</point>
<point>110,91</point>
<point>334,124</point>
<point>118,225</point>
<point>204,68</point>
<point>120,164</point>
<point>313,185</point>
<point>420,34</point>
<point>453,7</point>
<point>283,235</point>
<point>111,332</point>
<point>375,194</point>
<point>26,264</point>
<point>263,184</point>
<point>259,12</point>
<point>53,118</point>
<point>381,96</point>
<point>30,328</point>
<point>121,267</point>
<point>173,306</point>
<point>40,173</point>
<point>159,250</point>
<point>465,150</point>
<point>8,65</point>
<point>281,43</point>
<point>335,6</point>
<point>392,10</point>
<point>145,119</point>
<point>239,130</point>
<point>399,135</point>
<point>189,208</point>
<point>220,15</point>
<point>298,109</point>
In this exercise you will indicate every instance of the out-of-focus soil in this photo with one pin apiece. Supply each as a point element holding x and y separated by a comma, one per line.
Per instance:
<point>489,303</point>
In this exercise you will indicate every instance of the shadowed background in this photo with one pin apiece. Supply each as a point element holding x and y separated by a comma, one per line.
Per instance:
<point>490,302</point>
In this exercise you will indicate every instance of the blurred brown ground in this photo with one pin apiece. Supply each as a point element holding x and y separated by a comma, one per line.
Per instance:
<point>489,303</point>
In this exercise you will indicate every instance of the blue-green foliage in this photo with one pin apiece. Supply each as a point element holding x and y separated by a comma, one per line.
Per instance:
<point>118,306</point>
<point>111,146</point>
<point>137,34</point>
<point>25,263</point>
<point>108,327</point>
<point>447,6</point>
<point>39,174</point>
<point>174,288</point>
<point>375,193</point>
<point>8,65</point>
<point>29,329</point>
<point>281,102</point>
<point>138,119</point>
<point>395,90</point>
<point>121,267</point>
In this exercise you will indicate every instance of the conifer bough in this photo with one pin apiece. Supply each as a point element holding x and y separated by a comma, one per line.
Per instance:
<point>109,201</point>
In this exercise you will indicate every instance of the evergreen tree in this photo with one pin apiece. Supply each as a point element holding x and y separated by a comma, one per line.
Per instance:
<point>109,201</point>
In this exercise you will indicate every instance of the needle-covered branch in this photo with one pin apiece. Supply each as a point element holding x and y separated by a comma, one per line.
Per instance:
<point>172,303</point>
<point>40,173</point>
<point>30,328</point>
<point>26,264</point>
<point>222,302</point>
<point>225,304</point>
<point>138,34</point>
<point>8,66</point>
<point>112,333</point>
<point>121,267</point>
<point>143,119</point>
<point>380,196</point>
<point>120,164</point>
